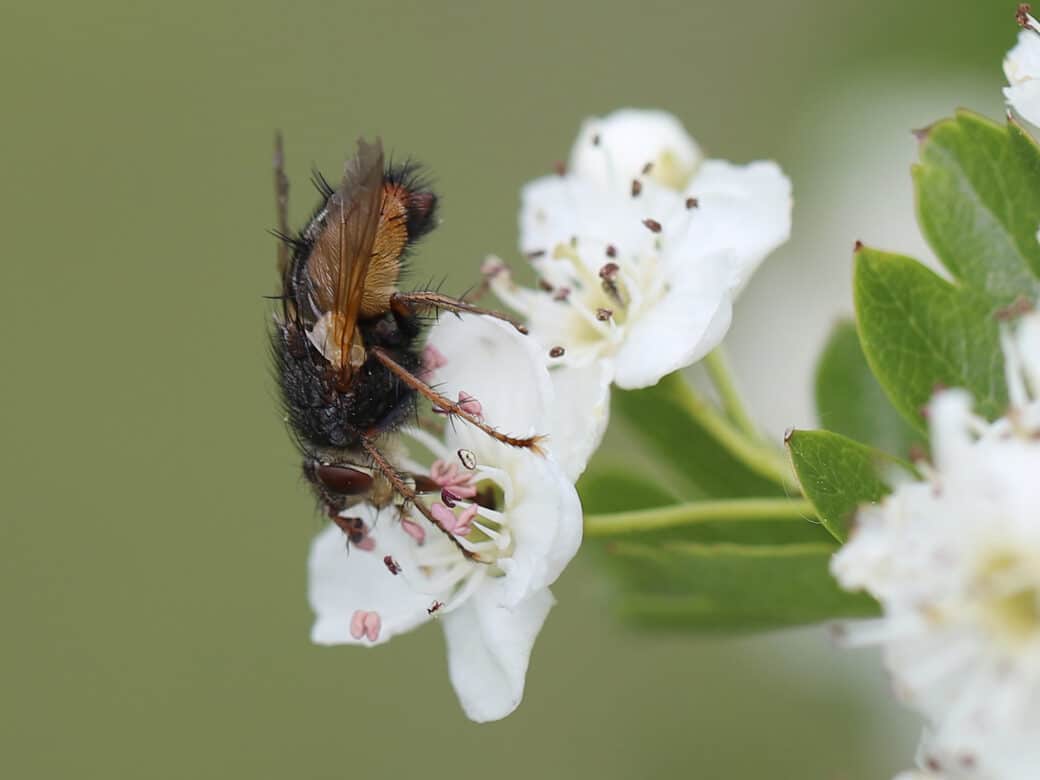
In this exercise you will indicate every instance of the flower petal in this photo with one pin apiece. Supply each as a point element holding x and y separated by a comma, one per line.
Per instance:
<point>682,327</point>
<point>1025,99</point>
<point>546,519</point>
<point>501,368</point>
<point>742,209</point>
<point>611,151</point>
<point>580,413</point>
<point>343,581</point>
<point>489,647</point>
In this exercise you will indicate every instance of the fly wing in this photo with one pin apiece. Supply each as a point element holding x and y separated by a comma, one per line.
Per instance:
<point>360,198</point>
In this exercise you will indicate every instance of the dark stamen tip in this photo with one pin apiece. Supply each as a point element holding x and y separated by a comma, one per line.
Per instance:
<point>692,203</point>
<point>603,314</point>
<point>556,352</point>
<point>609,271</point>
<point>637,187</point>
<point>647,168</point>
<point>652,225</point>
<point>611,250</point>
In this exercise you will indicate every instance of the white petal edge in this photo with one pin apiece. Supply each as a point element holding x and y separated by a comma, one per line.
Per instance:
<point>688,323</point>
<point>500,367</point>
<point>580,413</point>
<point>342,580</point>
<point>489,648</point>
<point>613,150</point>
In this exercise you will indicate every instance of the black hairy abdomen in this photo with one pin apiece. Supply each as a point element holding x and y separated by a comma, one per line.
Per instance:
<point>319,413</point>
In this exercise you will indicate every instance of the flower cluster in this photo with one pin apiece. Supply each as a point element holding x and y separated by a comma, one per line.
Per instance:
<point>954,560</point>
<point>640,247</point>
<point>640,250</point>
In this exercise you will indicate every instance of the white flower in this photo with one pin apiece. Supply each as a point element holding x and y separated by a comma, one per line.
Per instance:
<point>640,269</point>
<point>955,563</point>
<point>1022,69</point>
<point>409,572</point>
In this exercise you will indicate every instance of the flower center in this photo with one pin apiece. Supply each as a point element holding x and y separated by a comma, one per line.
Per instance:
<point>1010,597</point>
<point>600,301</point>
<point>474,509</point>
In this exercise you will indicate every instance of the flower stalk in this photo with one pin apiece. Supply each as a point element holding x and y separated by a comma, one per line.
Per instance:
<point>697,512</point>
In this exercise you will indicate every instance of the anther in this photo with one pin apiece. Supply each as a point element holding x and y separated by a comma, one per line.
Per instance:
<point>692,203</point>
<point>647,168</point>
<point>637,187</point>
<point>609,272</point>
<point>468,459</point>
<point>413,529</point>
<point>391,565</point>
<point>365,624</point>
<point>574,242</point>
<point>464,523</point>
<point>535,254</point>
<point>1023,18</point>
<point>611,250</point>
<point>595,139</point>
<point>434,607</point>
<point>544,285</point>
<point>470,405</point>
<point>560,168</point>
<point>444,516</point>
<point>372,625</point>
<point>603,314</point>
<point>653,225</point>
<point>432,358</point>
<point>556,352</point>
<point>449,498</point>
<point>562,294</point>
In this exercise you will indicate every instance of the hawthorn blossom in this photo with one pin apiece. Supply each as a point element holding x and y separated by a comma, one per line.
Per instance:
<point>954,560</point>
<point>515,512</point>
<point>641,247</point>
<point>1022,69</point>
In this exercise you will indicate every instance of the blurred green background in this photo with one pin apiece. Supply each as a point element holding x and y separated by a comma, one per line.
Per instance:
<point>154,528</point>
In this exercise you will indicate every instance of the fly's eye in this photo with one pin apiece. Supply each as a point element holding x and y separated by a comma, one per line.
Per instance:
<point>343,479</point>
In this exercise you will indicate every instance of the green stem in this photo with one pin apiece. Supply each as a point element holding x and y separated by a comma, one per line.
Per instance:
<point>755,454</point>
<point>721,375</point>
<point>727,510</point>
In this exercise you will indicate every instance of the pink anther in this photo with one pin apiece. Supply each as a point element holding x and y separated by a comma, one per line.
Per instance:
<point>447,475</point>
<point>460,525</point>
<point>444,516</point>
<point>470,405</point>
<point>463,524</point>
<point>367,624</point>
<point>413,529</point>
<point>357,623</point>
<point>372,625</point>
<point>432,359</point>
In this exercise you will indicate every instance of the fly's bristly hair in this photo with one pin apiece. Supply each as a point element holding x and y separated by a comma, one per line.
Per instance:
<point>347,346</point>
<point>328,421</point>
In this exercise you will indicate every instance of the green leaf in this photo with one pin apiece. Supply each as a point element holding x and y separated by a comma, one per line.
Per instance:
<point>727,586</point>
<point>978,202</point>
<point>698,465</point>
<point>850,401</point>
<point>838,475</point>
<point>612,490</point>
<point>919,332</point>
